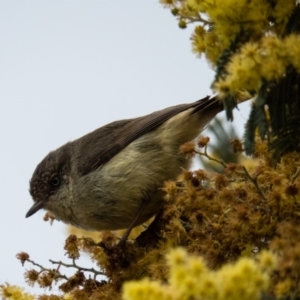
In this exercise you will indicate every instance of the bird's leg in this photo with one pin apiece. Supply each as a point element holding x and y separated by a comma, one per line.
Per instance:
<point>150,236</point>
<point>122,242</point>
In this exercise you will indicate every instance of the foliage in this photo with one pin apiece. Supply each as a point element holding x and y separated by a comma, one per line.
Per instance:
<point>191,279</point>
<point>223,135</point>
<point>232,233</point>
<point>254,47</point>
<point>223,218</point>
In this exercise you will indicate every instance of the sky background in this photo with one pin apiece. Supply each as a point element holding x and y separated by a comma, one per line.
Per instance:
<point>67,68</point>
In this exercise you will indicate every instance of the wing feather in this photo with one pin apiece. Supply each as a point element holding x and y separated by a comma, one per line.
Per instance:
<point>110,139</point>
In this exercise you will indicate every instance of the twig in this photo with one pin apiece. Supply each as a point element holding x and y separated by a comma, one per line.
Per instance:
<point>257,207</point>
<point>294,177</point>
<point>74,265</point>
<point>43,269</point>
<point>198,19</point>
<point>211,158</point>
<point>254,181</point>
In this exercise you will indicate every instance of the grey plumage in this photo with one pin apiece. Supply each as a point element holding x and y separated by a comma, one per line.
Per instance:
<point>101,180</point>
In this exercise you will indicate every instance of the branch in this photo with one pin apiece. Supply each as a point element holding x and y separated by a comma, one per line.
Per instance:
<point>74,265</point>
<point>210,158</point>
<point>43,269</point>
<point>254,181</point>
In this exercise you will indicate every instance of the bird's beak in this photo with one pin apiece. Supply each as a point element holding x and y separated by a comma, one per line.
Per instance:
<point>34,208</point>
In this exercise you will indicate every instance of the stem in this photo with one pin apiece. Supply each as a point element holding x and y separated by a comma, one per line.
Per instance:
<point>254,181</point>
<point>57,274</point>
<point>74,265</point>
<point>294,177</point>
<point>211,158</point>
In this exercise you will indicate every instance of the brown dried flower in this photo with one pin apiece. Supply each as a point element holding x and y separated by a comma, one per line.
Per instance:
<point>203,141</point>
<point>291,190</point>
<point>188,149</point>
<point>71,246</point>
<point>237,145</point>
<point>22,256</point>
<point>31,276</point>
<point>49,218</point>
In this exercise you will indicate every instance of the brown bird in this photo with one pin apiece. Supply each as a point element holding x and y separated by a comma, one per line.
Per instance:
<point>110,178</point>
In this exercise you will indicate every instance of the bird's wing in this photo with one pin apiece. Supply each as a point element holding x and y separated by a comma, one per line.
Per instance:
<point>107,141</point>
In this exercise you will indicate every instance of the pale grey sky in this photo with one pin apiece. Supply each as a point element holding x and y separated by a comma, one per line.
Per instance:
<point>66,68</point>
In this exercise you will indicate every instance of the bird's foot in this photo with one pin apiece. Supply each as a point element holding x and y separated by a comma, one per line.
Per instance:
<point>118,254</point>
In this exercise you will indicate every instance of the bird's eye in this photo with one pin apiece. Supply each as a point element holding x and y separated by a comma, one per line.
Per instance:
<point>55,181</point>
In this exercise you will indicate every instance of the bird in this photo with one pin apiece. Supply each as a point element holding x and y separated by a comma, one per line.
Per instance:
<point>112,177</point>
